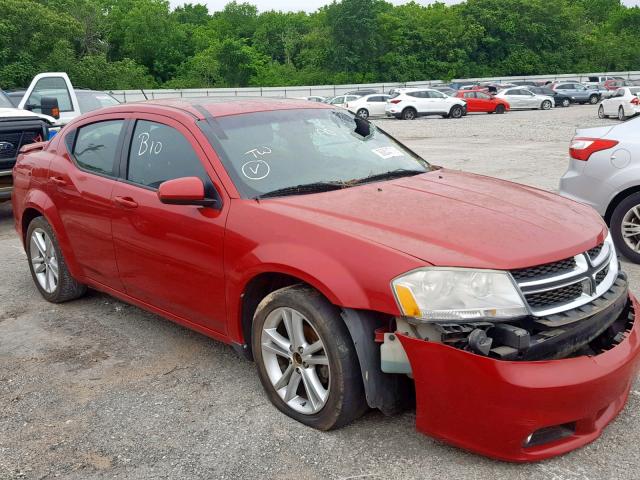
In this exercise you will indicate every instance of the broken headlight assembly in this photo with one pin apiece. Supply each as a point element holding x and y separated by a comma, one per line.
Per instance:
<point>435,294</point>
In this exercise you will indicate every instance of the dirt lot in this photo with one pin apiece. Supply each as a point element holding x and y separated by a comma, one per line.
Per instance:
<point>99,389</point>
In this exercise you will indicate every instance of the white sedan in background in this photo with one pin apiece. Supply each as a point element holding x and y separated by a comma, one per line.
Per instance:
<point>369,105</point>
<point>624,103</point>
<point>342,100</point>
<point>521,98</point>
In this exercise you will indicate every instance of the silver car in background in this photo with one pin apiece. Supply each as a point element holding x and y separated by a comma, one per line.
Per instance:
<point>522,98</point>
<point>604,172</point>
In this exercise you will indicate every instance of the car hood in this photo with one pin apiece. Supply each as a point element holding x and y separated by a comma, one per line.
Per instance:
<point>450,218</point>
<point>19,113</point>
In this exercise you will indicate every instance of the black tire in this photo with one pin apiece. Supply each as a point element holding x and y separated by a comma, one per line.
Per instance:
<point>601,112</point>
<point>621,116</point>
<point>346,400</point>
<point>565,102</point>
<point>409,113</point>
<point>593,99</point>
<point>546,105</point>
<point>616,226</point>
<point>67,287</point>
<point>500,109</point>
<point>455,112</point>
<point>363,113</point>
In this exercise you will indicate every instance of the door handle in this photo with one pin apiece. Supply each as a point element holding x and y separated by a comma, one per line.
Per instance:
<point>59,181</point>
<point>125,202</point>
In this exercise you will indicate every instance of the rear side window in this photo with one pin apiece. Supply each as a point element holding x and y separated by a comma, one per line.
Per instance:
<point>96,146</point>
<point>159,153</point>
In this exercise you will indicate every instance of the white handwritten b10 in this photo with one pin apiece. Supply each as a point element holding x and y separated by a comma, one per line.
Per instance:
<point>154,147</point>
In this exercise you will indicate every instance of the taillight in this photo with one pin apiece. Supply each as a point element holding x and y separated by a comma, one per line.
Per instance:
<point>395,101</point>
<point>582,148</point>
<point>635,101</point>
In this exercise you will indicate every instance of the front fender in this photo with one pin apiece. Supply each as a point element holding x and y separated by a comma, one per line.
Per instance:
<point>330,277</point>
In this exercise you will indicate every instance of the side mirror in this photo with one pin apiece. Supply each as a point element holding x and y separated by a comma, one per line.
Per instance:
<point>185,191</point>
<point>49,106</point>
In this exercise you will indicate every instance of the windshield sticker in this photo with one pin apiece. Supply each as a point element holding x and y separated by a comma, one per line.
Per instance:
<point>259,151</point>
<point>387,152</point>
<point>153,147</point>
<point>256,169</point>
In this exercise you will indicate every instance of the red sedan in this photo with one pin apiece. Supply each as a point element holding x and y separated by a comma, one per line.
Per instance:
<point>349,268</point>
<point>479,101</point>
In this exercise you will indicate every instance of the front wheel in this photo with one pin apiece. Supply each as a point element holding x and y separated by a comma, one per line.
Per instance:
<point>625,227</point>
<point>455,112</point>
<point>546,105</point>
<point>500,109</point>
<point>48,267</point>
<point>566,102</point>
<point>363,113</point>
<point>593,99</point>
<point>601,112</point>
<point>306,359</point>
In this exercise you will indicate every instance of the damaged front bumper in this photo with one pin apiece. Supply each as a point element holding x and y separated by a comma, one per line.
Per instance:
<point>521,410</point>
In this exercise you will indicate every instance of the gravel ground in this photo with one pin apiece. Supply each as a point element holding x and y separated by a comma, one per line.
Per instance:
<point>99,389</point>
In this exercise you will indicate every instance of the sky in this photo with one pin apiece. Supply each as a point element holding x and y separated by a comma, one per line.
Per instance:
<point>306,5</point>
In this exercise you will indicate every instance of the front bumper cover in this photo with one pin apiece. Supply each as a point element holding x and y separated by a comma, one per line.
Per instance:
<point>491,406</point>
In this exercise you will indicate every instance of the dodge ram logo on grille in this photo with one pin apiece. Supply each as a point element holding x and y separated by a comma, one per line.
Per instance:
<point>6,146</point>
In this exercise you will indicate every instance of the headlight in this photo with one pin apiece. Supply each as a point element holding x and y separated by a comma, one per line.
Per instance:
<point>454,294</point>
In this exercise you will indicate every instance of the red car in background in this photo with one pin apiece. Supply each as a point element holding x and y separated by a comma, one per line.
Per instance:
<point>349,268</point>
<point>480,101</point>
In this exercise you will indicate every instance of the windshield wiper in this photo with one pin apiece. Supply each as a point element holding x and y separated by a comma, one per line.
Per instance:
<point>399,173</point>
<point>303,189</point>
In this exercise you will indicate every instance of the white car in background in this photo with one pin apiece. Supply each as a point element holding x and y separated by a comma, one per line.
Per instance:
<point>314,98</point>
<point>369,105</point>
<point>521,98</point>
<point>342,100</point>
<point>410,103</point>
<point>604,173</point>
<point>624,103</point>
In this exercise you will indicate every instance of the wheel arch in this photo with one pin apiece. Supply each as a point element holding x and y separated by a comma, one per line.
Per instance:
<point>619,197</point>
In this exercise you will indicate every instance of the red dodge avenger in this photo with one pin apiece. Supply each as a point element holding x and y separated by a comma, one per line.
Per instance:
<point>353,272</point>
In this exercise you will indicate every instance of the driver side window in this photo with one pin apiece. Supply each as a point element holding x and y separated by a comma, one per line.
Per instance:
<point>50,87</point>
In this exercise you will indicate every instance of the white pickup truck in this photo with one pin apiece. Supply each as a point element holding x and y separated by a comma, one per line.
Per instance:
<point>71,101</point>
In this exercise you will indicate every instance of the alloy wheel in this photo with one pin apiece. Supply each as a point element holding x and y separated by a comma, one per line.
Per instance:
<point>631,228</point>
<point>621,114</point>
<point>44,260</point>
<point>295,360</point>
<point>601,112</point>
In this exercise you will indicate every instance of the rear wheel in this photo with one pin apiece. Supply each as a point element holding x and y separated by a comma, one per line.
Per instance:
<point>593,99</point>
<point>455,112</point>
<point>48,267</point>
<point>625,227</point>
<point>363,113</point>
<point>306,359</point>
<point>546,105</point>
<point>601,112</point>
<point>621,116</point>
<point>500,109</point>
<point>409,113</point>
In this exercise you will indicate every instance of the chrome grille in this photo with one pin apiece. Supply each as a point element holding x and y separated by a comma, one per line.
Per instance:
<point>559,286</point>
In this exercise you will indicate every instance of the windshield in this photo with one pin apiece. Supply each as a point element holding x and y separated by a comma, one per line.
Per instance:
<point>4,101</point>
<point>266,152</point>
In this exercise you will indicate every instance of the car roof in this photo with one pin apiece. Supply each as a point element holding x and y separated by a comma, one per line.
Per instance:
<point>205,107</point>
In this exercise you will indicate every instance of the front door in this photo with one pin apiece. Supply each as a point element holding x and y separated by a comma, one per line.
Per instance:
<point>169,256</point>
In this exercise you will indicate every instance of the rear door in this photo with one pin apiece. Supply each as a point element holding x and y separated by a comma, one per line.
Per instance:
<point>81,182</point>
<point>169,256</point>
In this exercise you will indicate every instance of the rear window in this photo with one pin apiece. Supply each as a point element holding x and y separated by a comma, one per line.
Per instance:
<point>635,90</point>
<point>96,145</point>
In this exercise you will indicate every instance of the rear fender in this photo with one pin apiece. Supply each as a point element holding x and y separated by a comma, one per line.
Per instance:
<point>39,200</point>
